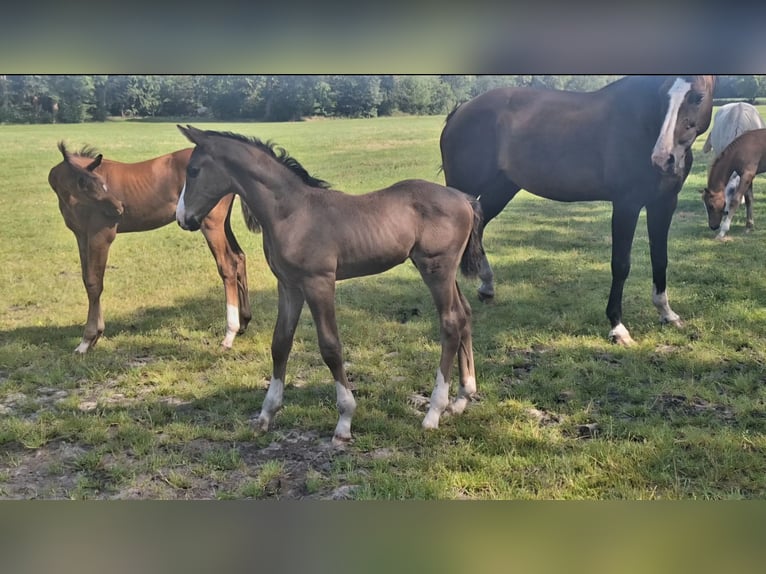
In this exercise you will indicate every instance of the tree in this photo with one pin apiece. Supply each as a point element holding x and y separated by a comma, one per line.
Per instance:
<point>75,94</point>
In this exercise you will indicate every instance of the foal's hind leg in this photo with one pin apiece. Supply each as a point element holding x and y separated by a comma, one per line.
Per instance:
<point>320,295</point>
<point>467,388</point>
<point>227,262</point>
<point>288,313</point>
<point>94,251</point>
<point>453,321</point>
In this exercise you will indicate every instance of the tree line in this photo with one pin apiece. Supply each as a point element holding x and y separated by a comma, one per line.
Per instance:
<point>80,98</point>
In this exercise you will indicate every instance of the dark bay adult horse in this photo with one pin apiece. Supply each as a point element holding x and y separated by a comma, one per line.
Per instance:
<point>314,236</point>
<point>628,143</point>
<point>730,179</point>
<point>99,198</point>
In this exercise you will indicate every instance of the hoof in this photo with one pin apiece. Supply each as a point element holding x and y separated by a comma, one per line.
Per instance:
<point>678,323</point>
<point>485,297</point>
<point>341,442</point>
<point>431,421</point>
<point>722,238</point>
<point>260,424</point>
<point>622,339</point>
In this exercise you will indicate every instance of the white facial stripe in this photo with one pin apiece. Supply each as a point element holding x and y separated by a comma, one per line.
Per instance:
<point>181,207</point>
<point>664,144</point>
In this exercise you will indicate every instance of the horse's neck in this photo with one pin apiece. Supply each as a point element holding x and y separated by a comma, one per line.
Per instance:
<point>720,172</point>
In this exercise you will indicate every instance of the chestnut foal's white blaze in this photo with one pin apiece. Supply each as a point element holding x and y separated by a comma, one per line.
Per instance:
<point>663,149</point>
<point>181,208</point>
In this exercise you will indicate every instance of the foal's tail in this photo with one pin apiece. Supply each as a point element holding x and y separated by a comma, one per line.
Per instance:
<point>470,262</point>
<point>252,223</point>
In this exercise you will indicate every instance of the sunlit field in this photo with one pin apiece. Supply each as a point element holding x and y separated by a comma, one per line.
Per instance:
<point>158,411</point>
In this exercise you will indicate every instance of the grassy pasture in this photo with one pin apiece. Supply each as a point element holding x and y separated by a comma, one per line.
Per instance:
<point>157,410</point>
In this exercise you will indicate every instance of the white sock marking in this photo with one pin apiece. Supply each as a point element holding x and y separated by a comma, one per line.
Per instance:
<point>463,396</point>
<point>232,325</point>
<point>439,402</point>
<point>620,334</point>
<point>661,304</point>
<point>346,407</point>
<point>272,403</point>
<point>664,144</point>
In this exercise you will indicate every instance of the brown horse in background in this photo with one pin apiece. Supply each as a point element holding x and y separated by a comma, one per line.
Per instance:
<point>99,198</point>
<point>730,179</point>
<point>314,236</point>
<point>628,143</point>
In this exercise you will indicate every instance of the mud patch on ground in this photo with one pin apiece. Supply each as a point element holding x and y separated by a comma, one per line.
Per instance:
<point>294,465</point>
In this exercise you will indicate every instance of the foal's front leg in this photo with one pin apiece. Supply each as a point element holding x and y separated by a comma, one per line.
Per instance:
<point>94,251</point>
<point>288,313</point>
<point>320,295</point>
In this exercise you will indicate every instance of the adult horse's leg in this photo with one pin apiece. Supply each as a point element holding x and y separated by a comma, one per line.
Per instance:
<point>227,261</point>
<point>658,217</point>
<point>453,322</point>
<point>624,220</point>
<point>288,312</point>
<point>94,251</point>
<point>493,197</point>
<point>320,296</point>
<point>465,359</point>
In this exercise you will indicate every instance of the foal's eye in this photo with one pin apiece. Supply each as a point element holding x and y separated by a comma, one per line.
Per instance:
<point>192,171</point>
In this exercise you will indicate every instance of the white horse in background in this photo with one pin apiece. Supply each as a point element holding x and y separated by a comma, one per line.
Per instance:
<point>730,121</point>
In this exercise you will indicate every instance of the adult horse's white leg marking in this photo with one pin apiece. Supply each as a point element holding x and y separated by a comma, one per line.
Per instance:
<point>620,335</point>
<point>661,304</point>
<point>181,207</point>
<point>232,325</point>
<point>272,403</point>
<point>346,407</point>
<point>439,402</point>
<point>664,146</point>
<point>464,395</point>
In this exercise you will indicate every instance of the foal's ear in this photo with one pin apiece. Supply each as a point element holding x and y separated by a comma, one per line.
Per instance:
<point>95,163</point>
<point>192,134</point>
<point>702,190</point>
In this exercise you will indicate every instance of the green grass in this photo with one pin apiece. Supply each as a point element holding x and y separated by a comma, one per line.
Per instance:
<point>157,410</point>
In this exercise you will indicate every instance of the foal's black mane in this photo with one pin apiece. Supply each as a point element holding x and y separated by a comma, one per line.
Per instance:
<point>277,152</point>
<point>85,151</point>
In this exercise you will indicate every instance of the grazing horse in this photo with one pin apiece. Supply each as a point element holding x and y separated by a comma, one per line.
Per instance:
<point>731,178</point>
<point>100,198</point>
<point>730,121</point>
<point>628,143</point>
<point>314,236</point>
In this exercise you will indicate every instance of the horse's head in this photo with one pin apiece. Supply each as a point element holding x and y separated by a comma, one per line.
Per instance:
<point>76,182</point>
<point>719,202</point>
<point>687,109</point>
<point>207,181</point>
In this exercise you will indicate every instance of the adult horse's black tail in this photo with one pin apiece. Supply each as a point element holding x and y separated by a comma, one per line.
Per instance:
<point>250,220</point>
<point>470,262</point>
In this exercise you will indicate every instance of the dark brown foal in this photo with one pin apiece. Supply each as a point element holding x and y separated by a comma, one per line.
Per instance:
<point>314,236</point>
